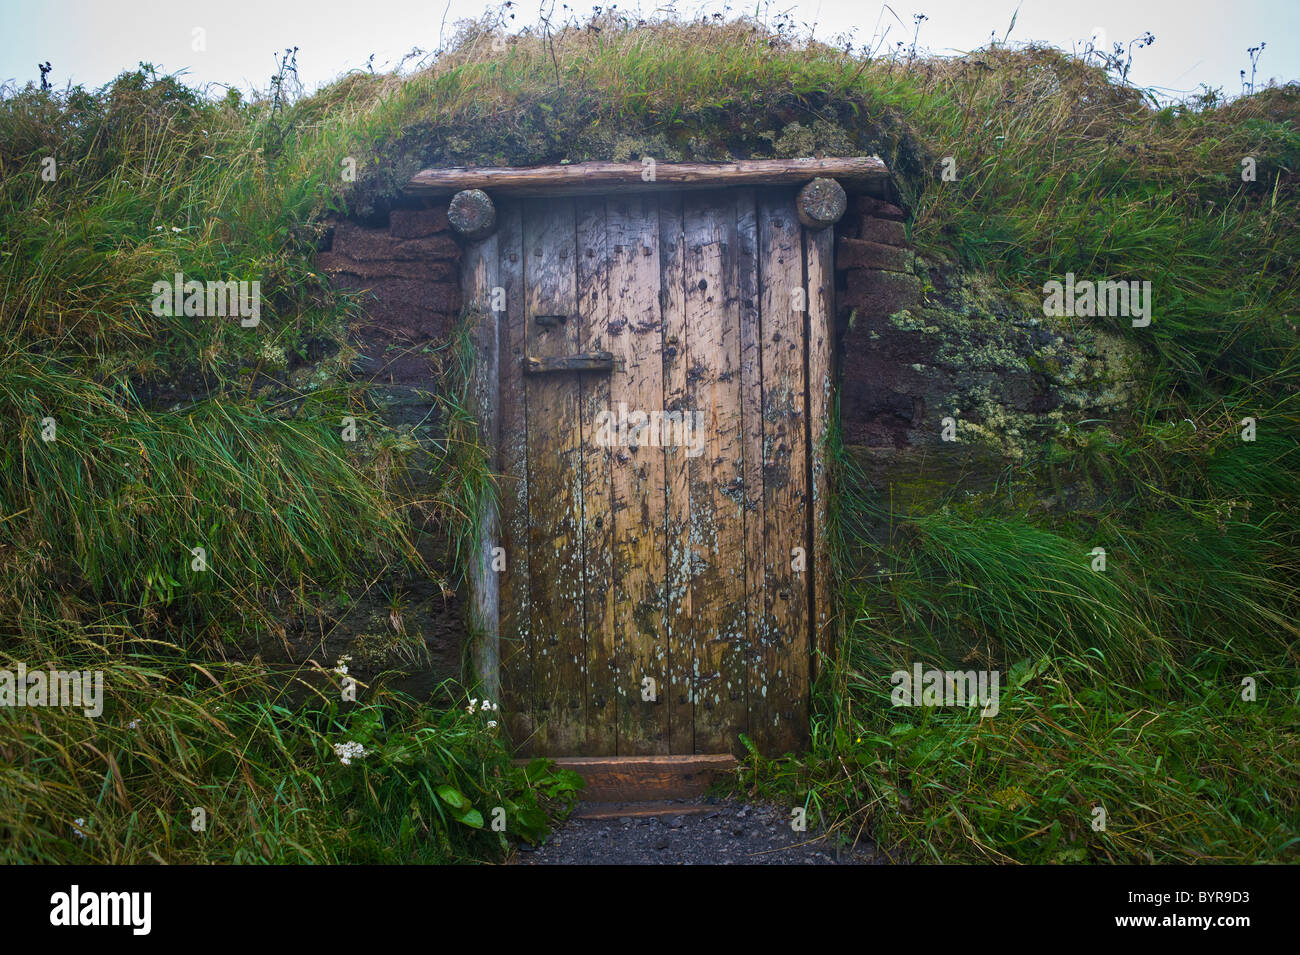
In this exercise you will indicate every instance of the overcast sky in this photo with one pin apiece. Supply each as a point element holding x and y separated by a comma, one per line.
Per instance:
<point>90,42</point>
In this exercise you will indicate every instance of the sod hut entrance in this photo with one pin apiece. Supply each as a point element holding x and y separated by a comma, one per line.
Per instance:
<point>654,382</point>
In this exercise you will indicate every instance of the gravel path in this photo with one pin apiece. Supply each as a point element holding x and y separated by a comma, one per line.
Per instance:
<point>726,832</point>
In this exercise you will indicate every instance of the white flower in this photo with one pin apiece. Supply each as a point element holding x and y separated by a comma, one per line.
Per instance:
<point>274,355</point>
<point>346,752</point>
<point>177,229</point>
<point>492,724</point>
<point>342,668</point>
<point>134,724</point>
<point>76,828</point>
<point>473,705</point>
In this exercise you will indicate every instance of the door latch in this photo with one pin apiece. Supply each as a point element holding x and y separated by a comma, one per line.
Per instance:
<point>597,361</point>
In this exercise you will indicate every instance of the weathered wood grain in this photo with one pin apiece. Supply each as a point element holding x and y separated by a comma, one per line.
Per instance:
<point>639,519</point>
<point>516,642</point>
<point>472,214</point>
<point>785,473</point>
<point>594,306</point>
<point>555,484</point>
<point>751,416</point>
<point>716,526</point>
<point>641,809</point>
<point>588,177</point>
<point>821,203</point>
<point>479,275</point>
<point>629,778</point>
<point>588,361</point>
<point>677,503</point>
<point>819,267</point>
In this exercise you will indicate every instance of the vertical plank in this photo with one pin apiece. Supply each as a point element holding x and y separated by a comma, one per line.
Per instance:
<point>819,266</point>
<point>677,626</point>
<point>479,275</point>
<point>785,475</point>
<point>554,481</point>
<point>593,315</point>
<point>715,466</point>
<point>516,641</point>
<point>639,521</point>
<point>751,416</point>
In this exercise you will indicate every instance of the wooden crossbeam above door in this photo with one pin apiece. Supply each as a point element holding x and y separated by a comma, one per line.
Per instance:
<point>591,177</point>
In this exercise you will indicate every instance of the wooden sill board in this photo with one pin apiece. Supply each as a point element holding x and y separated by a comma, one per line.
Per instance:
<point>639,810</point>
<point>645,778</point>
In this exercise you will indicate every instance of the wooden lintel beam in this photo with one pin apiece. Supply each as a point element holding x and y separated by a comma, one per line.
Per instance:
<point>589,177</point>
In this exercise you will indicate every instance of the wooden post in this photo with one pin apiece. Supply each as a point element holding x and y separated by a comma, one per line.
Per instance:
<point>479,277</point>
<point>821,203</point>
<point>820,272</point>
<point>472,214</point>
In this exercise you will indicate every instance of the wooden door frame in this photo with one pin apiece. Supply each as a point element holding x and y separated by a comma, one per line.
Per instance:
<point>480,273</point>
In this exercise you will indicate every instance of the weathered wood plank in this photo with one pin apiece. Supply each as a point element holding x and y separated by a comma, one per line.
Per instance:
<point>751,415</point>
<point>516,642</point>
<point>640,810</point>
<point>594,307</point>
<point>638,778</point>
<point>715,466</point>
<point>578,178</point>
<point>819,252</point>
<point>677,627</point>
<point>640,522</point>
<point>589,361</point>
<point>479,275</point>
<point>554,484</point>
<point>784,471</point>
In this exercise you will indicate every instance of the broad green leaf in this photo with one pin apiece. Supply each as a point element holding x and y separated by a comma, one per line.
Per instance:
<point>454,798</point>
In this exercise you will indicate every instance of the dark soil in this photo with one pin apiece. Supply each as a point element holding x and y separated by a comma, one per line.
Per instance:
<point>727,832</point>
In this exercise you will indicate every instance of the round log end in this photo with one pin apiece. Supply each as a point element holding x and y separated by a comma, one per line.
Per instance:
<point>821,203</point>
<point>472,214</point>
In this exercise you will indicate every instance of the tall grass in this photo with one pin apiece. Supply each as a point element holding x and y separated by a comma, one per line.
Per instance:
<point>176,434</point>
<point>1122,691</point>
<point>225,762</point>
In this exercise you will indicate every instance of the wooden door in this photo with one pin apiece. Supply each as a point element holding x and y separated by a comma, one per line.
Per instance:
<point>661,591</point>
